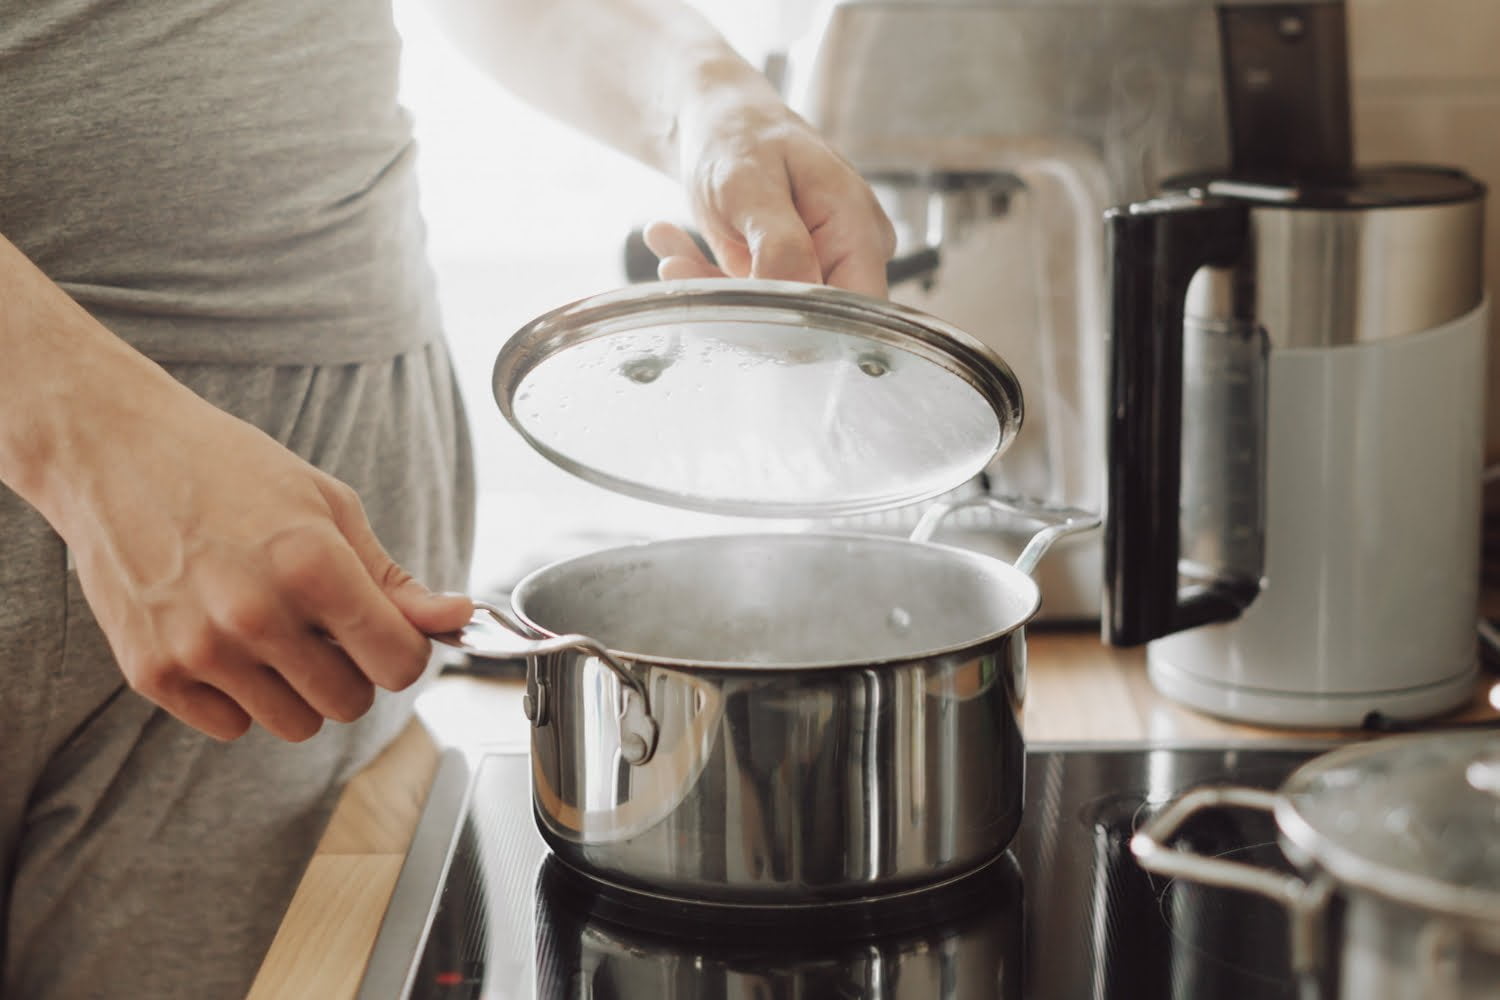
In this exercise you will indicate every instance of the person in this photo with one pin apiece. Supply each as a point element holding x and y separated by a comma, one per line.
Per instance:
<point>236,493</point>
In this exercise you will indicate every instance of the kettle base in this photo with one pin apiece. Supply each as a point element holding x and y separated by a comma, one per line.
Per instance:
<point>1292,709</point>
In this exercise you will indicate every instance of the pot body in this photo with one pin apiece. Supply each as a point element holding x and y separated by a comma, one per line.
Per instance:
<point>1390,950</point>
<point>832,760</point>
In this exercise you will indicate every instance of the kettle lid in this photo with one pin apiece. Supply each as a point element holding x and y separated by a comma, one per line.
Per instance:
<point>1388,186</point>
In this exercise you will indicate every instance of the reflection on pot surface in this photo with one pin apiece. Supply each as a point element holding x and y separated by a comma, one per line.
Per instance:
<point>832,780</point>
<point>961,941</point>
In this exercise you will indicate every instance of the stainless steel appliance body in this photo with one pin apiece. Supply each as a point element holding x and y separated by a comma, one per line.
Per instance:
<point>998,132</point>
<point>1296,443</point>
<point>779,719</point>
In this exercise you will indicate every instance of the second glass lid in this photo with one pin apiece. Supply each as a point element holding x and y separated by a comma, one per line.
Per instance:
<point>748,397</point>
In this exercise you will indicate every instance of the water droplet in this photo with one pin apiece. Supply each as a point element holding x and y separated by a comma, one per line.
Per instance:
<point>899,620</point>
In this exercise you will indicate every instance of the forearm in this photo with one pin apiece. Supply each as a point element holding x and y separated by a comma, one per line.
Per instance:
<point>57,360</point>
<point>628,72</point>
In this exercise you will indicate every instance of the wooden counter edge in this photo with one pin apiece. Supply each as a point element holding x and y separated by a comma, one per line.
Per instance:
<point>324,941</point>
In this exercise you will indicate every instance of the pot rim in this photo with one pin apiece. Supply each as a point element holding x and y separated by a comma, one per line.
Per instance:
<point>969,647</point>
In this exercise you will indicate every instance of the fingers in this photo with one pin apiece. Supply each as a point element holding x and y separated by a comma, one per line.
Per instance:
<point>257,652</point>
<point>759,207</point>
<point>332,589</point>
<point>320,673</point>
<point>369,605</point>
<point>221,698</point>
<point>782,249</point>
<point>679,255</point>
<point>267,698</point>
<point>430,613</point>
<point>803,215</point>
<point>853,235</point>
<point>206,709</point>
<point>861,273</point>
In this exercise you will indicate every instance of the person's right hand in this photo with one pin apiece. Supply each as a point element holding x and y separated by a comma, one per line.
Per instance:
<point>233,580</point>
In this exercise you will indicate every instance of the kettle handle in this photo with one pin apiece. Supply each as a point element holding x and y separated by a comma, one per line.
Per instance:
<point>1155,248</point>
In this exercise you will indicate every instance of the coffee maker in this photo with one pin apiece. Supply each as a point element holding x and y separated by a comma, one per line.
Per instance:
<point>996,134</point>
<point>1297,394</point>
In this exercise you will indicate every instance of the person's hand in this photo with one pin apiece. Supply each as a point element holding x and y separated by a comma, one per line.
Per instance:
<point>772,198</point>
<point>234,581</point>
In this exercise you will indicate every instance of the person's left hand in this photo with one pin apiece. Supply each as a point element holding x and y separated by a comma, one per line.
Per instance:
<point>772,197</point>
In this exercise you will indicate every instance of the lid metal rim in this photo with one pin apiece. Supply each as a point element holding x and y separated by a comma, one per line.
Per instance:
<point>880,321</point>
<point>1394,885</point>
<point>1351,870</point>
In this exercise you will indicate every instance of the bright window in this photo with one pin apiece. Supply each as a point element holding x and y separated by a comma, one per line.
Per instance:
<point>524,215</point>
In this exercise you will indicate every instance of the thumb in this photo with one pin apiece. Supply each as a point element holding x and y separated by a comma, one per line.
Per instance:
<point>431,613</point>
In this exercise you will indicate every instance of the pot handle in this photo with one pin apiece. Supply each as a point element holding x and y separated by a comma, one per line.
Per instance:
<point>1058,521</point>
<point>1304,901</point>
<point>638,729</point>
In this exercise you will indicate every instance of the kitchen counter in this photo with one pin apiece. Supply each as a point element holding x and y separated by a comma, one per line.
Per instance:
<point>1079,690</point>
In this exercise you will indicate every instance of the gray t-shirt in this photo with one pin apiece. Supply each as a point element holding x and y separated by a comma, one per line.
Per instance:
<point>217,180</point>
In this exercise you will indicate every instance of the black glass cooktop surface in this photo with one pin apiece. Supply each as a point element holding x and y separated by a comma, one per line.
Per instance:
<point>483,912</point>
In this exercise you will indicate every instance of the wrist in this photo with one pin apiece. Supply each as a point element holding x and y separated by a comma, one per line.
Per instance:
<point>720,93</point>
<point>64,379</point>
<point>73,423</point>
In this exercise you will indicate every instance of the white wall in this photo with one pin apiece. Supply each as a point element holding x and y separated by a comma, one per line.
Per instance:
<point>525,215</point>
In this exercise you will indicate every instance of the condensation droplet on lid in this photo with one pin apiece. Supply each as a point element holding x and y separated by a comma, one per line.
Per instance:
<point>899,620</point>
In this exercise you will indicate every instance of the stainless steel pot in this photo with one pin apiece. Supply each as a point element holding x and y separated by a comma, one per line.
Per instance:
<point>1398,847</point>
<point>780,719</point>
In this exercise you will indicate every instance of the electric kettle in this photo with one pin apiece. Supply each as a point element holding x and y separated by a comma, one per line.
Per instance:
<point>1296,407</point>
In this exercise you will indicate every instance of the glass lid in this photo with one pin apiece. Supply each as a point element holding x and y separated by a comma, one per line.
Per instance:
<point>1413,817</point>
<point>746,397</point>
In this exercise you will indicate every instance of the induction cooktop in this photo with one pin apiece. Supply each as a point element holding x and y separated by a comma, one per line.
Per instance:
<point>482,911</point>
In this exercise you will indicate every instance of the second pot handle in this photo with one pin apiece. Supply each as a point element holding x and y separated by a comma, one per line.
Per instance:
<point>1057,522</point>
<point>1305,902</point>
<point>638,729</point>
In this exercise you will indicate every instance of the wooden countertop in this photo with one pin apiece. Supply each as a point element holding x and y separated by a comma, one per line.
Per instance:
<point>1080,690</point>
